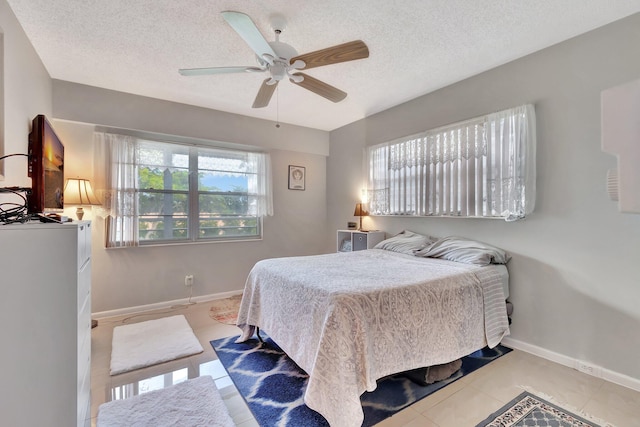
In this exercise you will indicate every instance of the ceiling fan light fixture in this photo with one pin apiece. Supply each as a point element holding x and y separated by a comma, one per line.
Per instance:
<point>296,78</point>
<point>298,64</point>
<point>278,70</point>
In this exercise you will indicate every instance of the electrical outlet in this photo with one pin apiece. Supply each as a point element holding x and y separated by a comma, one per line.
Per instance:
<point>589,369</point>
<point>188,280</point>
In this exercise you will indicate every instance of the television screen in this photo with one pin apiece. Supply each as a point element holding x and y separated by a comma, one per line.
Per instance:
<point>46,168</point>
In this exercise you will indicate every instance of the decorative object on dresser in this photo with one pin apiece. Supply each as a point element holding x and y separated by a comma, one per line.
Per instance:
<point>46,300</point>
<point>360,211</point>
<point>45,167</point>
<point>349,240</point>
<point>78,191</point>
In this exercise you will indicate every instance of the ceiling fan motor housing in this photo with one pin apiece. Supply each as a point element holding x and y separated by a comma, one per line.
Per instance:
<point>278,71</point>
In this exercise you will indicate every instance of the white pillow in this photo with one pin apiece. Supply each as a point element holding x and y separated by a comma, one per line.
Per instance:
<point>465,250</point>
<point>405,242</point>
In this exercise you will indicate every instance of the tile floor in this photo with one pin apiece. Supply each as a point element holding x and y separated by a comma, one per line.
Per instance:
<point>463,403</point>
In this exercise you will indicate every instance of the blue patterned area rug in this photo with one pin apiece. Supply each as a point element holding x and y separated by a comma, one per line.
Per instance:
<point>529,410</point>
<point>273,385</point>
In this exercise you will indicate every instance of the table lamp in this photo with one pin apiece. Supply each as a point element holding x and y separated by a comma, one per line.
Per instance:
<point>360,211</point>
<point>78,191</point>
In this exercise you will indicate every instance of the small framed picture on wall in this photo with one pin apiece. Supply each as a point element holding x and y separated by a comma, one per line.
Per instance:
<point>296,177</point>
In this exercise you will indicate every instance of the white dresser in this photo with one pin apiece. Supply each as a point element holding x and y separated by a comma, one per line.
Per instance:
<point>45,324</point>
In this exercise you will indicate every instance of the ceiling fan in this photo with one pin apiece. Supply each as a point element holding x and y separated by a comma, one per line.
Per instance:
<point>281,60</point>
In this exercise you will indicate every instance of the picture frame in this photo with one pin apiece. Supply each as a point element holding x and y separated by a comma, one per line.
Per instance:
<point>297,177</point>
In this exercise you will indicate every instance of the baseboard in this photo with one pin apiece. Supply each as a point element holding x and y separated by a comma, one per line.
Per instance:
<point>162,305</point>
<point>593,370</point>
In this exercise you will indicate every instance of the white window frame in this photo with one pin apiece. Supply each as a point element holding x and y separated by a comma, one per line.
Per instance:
<point>119,188</point>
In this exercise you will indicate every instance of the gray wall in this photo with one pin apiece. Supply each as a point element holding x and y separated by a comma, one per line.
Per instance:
<point>130,277</point>
<point>575,275</point>
<point>26,89</point>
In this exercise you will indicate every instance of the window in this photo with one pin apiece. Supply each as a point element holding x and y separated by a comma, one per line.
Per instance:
<point>159,192</point>
<point>483,167</point>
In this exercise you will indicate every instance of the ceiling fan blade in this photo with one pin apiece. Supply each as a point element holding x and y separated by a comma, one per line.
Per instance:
<point>321,88</point>
<point>244,26</point>
<point>264,94</point>
<point>218,70</point>
<point>333,55</point>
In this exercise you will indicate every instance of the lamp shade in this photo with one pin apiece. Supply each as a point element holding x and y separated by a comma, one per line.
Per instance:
<point>78,191</point>
<point>360,211</point>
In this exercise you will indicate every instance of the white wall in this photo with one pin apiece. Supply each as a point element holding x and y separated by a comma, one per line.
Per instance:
<point>132,277</point>
<point>26,92</point>
<point>575,272</point>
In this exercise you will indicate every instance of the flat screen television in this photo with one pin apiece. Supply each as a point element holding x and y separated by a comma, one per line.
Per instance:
<point>46,168</point>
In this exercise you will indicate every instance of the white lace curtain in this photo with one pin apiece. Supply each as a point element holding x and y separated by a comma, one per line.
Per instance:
<point>116,183</point>
<point>483,167</point>
<point>260,185</point>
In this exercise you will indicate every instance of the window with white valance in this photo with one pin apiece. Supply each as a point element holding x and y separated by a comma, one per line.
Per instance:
<point>161,192</point>
<point>483,167</point>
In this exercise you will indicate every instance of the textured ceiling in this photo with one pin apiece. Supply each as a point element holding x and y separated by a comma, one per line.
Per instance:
<point>416,46</point>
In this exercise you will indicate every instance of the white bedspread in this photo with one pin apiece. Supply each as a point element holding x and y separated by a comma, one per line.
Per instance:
<point>349,319</point>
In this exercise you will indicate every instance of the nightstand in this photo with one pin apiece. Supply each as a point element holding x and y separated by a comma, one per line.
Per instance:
<point>354,240</point>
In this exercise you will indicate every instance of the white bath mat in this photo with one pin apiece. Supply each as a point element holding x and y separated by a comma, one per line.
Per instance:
<point>148,343</point>
<point>192,403</point>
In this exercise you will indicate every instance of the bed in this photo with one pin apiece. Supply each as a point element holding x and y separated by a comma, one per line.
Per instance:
<point>349,319</point>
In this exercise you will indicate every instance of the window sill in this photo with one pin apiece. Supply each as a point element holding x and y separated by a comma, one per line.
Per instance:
<point>188,243</point>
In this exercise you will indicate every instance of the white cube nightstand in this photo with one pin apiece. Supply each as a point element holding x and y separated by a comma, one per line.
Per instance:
<point>354,240</point>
